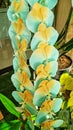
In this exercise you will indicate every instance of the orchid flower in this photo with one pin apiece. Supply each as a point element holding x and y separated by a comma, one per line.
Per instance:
<point>39,14</point>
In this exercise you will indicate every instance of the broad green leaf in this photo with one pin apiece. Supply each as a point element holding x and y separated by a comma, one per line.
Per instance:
<point>9,105</point>
<point>12,125</point>
<point>66,47</point>
<point>66,44</point>
<point>4,125</point>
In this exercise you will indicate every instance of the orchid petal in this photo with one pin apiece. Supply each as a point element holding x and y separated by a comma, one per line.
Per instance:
<point>20,63</point>
<point>44,34</point>
<point>32,2</point>
<point>51,124</point>
<point>16,96</point>
<point>57,123</point>
<point>44,53</point>
<point>18,9</point>
<point>39,14</point>
<point>48,3</point>
<point>50,106</point>
<point>41,117</point>
<point>57,105</point>
<point>46,88</point>
<point>48,69</point>
<point>19,31</point>
<point>23,81</point>
<point>15,82</point>
<point>26,97</point>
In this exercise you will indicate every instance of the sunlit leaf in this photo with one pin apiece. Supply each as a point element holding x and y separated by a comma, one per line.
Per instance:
<point>9,105</point>
<point>11,125</point>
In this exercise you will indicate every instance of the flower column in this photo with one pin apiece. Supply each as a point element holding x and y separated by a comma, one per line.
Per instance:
<point>40,101</point>
<point>20,38</point>
<point>44,61</point>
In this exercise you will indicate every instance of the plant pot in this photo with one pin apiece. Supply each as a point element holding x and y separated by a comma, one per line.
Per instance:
<point>64,65</point>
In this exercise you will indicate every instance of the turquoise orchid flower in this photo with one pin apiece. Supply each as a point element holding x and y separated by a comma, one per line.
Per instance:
<point>19,63</point>
<point>45,90</point>
<point>44,34</point>
<point>19,35</point>
<point>51,124</point>
<point>47,70</point>
<point>18,9</point>
<point>39,14</point>
<point>44,53</point>
<point>47,110</point>
<point>21,81</point>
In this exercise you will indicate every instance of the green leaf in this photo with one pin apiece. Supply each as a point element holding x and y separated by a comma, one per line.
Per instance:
<point>9,105</point>
<point>67,44</point>
<point>12,125</point>
<point>4,125</point>
<point>66,47</point>
<point>27,126</point>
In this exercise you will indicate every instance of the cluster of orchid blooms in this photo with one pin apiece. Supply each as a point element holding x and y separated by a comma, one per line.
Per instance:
<point>31,27</point>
